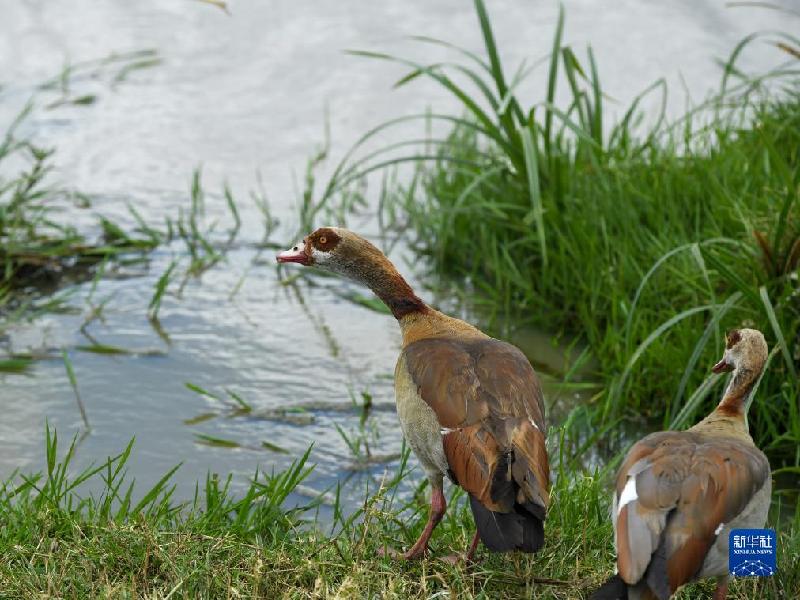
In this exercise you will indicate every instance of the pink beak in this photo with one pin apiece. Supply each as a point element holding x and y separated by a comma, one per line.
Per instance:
<point>721,367</point>
<point>297,254</point>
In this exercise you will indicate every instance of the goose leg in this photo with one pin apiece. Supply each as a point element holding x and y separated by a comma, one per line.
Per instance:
<point>438,506</point>
<point>722,588</point>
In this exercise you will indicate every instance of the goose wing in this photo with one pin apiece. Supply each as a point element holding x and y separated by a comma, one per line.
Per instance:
<point>489,404</point>
<point>673,493</point>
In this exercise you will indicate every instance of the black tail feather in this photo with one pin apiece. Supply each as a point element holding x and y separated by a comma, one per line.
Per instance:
<point>519,529</point>
<point>613,589</point>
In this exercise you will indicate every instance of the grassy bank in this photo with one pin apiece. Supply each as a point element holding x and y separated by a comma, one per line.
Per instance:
<point>123,542</point>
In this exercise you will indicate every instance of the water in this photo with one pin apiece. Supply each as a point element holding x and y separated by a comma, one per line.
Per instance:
<point>248,94</point>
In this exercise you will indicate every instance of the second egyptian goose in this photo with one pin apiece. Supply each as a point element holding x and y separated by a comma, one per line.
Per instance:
<point>679,493</point>
<point>470,406</point>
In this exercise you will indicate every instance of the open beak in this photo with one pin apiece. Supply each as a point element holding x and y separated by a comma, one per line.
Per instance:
<point>296,254</point>
<point>722,366</point>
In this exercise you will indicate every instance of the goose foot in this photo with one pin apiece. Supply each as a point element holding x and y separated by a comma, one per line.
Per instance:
<point>420,547</point>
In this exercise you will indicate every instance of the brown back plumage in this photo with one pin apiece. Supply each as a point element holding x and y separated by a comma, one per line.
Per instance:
<point>489,404</point>
<point>687,484</point>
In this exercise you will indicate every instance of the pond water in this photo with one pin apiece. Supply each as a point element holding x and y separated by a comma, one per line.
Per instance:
<point>247,94</point>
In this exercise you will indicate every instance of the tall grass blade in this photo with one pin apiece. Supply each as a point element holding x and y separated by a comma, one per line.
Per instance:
<point>160,290</point>
<point>534,191</point>
<point>160,488</point>
<point>654,335</point>
<point>552,78</point>
<point>656,266</point>
<point>776,329</point>
<point>73,381</point>
<point>497,71</point>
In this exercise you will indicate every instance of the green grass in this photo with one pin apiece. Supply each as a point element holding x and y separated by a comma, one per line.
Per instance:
<point>643,242</point>
<point>122,542</point>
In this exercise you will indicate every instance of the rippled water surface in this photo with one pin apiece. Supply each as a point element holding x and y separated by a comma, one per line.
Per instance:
<point>241,95</point>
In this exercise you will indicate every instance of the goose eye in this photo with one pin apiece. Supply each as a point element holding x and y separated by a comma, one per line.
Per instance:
<point>323,240</point>
<point>733,338</point>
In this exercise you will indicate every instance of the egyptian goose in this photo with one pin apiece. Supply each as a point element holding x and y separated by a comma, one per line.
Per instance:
<point>679,493</point>
<point>470,406</point>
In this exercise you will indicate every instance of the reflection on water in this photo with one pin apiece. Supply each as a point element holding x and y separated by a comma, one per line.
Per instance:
<point>242,95</point>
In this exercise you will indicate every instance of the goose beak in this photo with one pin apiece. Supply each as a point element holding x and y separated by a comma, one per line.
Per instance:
<point>296,254</point>
<point>722,366</point>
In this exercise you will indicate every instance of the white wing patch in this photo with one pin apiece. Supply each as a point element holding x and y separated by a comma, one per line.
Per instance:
<point>718,529</point>
<point>535,426</point>
<point>628,494</point>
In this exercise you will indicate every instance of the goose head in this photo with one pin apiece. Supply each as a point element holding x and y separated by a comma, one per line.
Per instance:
<point>346,253</point>
<point>337,250</point>
<point>321,248</point>
<point>745,350</point>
